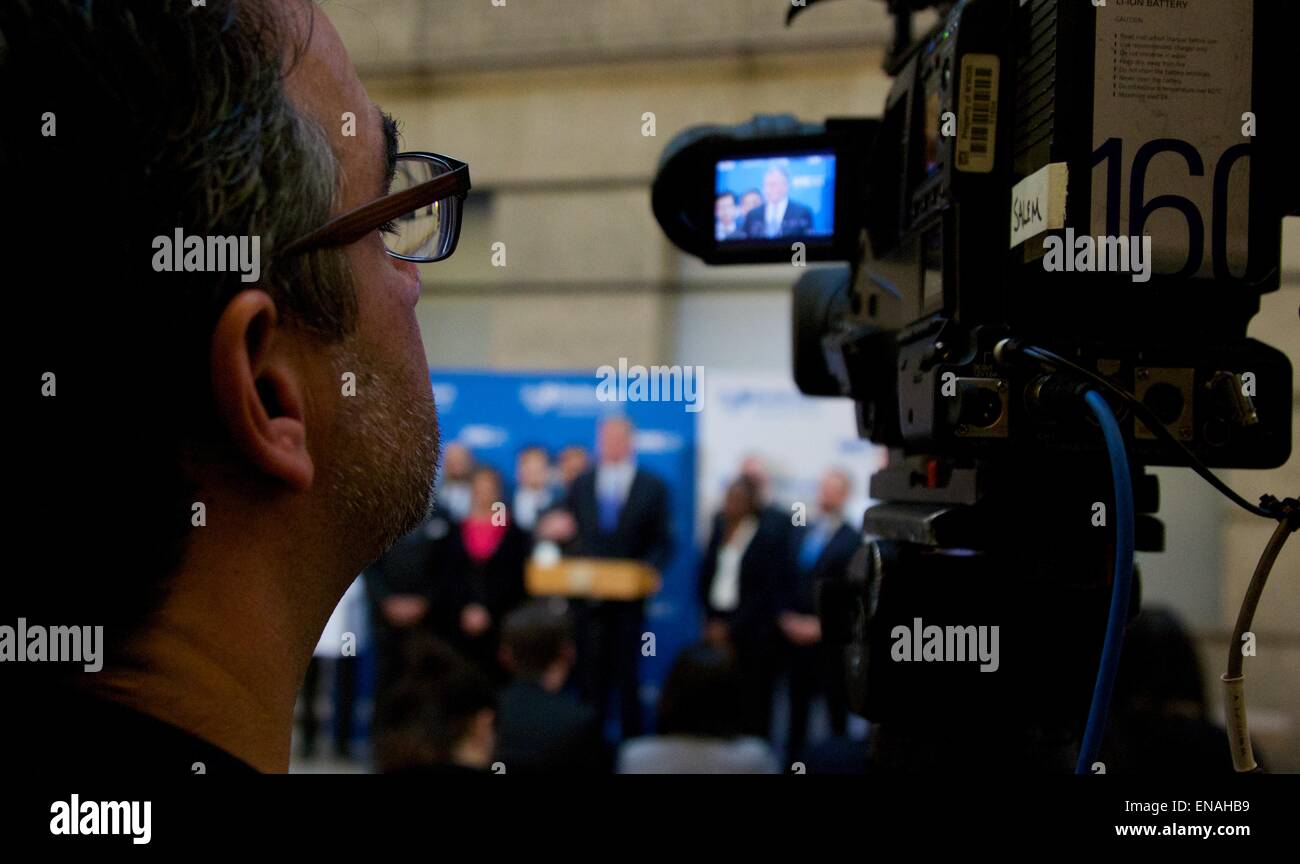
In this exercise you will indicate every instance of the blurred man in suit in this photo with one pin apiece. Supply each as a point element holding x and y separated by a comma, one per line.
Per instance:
<point>454,487</point>
<point>616,511</point>
<point>778,216</point>
<point>401,586</point>
<point>540,729</point>
<point>534,493</point>
<point>823,550</point>
<point>573,462</point>
<point>725,214</point>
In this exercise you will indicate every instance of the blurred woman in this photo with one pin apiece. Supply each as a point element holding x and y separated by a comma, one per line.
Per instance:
<point>743,585</point>
<point>481,561</point>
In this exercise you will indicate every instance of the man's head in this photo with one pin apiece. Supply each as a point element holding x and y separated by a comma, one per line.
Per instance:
<point>614,440</point>
<point>485,488</point>
<point>754,467</point>
<point>441,711</point>
<point>573,461</point>
<point>833,492</point>
<point>751,199</point>
<point>776,184</point>
<point>457,463</point>
<point>537,643</point>
<point>701,695</point>
<point>193,412</point>
<point>741,499</point>
<point>533,468</point>
<point>724,209</point>
<point>388,441</point>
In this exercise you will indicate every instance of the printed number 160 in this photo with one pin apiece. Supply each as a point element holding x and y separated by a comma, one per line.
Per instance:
<point>1112,152</point>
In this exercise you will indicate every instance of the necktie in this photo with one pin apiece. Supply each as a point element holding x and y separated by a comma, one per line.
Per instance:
<point>610,508</point>
<point>811,549</point>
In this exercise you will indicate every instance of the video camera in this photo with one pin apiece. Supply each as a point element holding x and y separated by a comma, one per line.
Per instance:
<point>1106,180</point>
<point>1088,187</point>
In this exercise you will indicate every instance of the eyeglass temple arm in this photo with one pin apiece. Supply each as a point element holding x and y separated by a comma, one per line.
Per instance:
<point>349,227</point>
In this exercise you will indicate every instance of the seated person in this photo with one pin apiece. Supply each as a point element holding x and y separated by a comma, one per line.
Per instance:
<point>438,717</point>
<point>699,723</point>
<point>1160,722</point>
<point>541,730</point>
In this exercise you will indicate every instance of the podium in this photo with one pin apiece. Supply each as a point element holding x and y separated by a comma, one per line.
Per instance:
<point>592,579</point>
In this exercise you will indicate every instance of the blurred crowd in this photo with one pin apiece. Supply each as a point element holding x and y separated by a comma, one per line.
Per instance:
<point>472,672</point>
<point>474,675</point>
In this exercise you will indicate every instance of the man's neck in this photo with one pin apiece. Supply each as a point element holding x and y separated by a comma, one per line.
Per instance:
<point>225,655</point>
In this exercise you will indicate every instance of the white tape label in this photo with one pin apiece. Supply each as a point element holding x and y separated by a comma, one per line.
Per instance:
<point>1038,203</point>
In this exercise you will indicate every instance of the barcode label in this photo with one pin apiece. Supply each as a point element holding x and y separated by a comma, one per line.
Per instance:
<point>977,122</point>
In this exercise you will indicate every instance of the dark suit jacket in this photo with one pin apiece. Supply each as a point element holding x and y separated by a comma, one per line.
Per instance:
<point>797,221</point>
<point>642,532</point>
<point>411,566</point>
<point>764,580</point>
<point>831,564</point>
<point>496,583</point>
<point>408,567</point>
<point>540,732</point>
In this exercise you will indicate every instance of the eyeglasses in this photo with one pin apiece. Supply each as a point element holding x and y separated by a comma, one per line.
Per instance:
<point>420,216</point>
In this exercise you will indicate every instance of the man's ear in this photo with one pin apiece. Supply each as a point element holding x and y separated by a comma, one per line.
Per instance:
<point>260,396</point>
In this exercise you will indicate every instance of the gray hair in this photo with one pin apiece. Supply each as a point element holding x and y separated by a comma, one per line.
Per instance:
<point>778,168</point>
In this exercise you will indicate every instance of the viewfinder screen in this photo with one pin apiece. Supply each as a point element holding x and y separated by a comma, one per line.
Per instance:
<point>774,198</point>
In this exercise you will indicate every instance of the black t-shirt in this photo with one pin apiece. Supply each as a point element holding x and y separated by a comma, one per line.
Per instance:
<point>83,735</point>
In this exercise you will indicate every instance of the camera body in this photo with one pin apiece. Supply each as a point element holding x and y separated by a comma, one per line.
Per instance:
<point>1099,180</point>
<point>1106,182</point>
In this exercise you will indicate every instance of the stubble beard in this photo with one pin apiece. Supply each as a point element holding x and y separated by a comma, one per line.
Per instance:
<point>382,479</point>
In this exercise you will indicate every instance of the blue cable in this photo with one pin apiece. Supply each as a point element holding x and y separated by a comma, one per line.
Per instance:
<point>1122,588</point>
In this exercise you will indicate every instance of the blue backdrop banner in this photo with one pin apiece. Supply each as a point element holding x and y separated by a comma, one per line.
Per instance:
<point>496,414</point>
